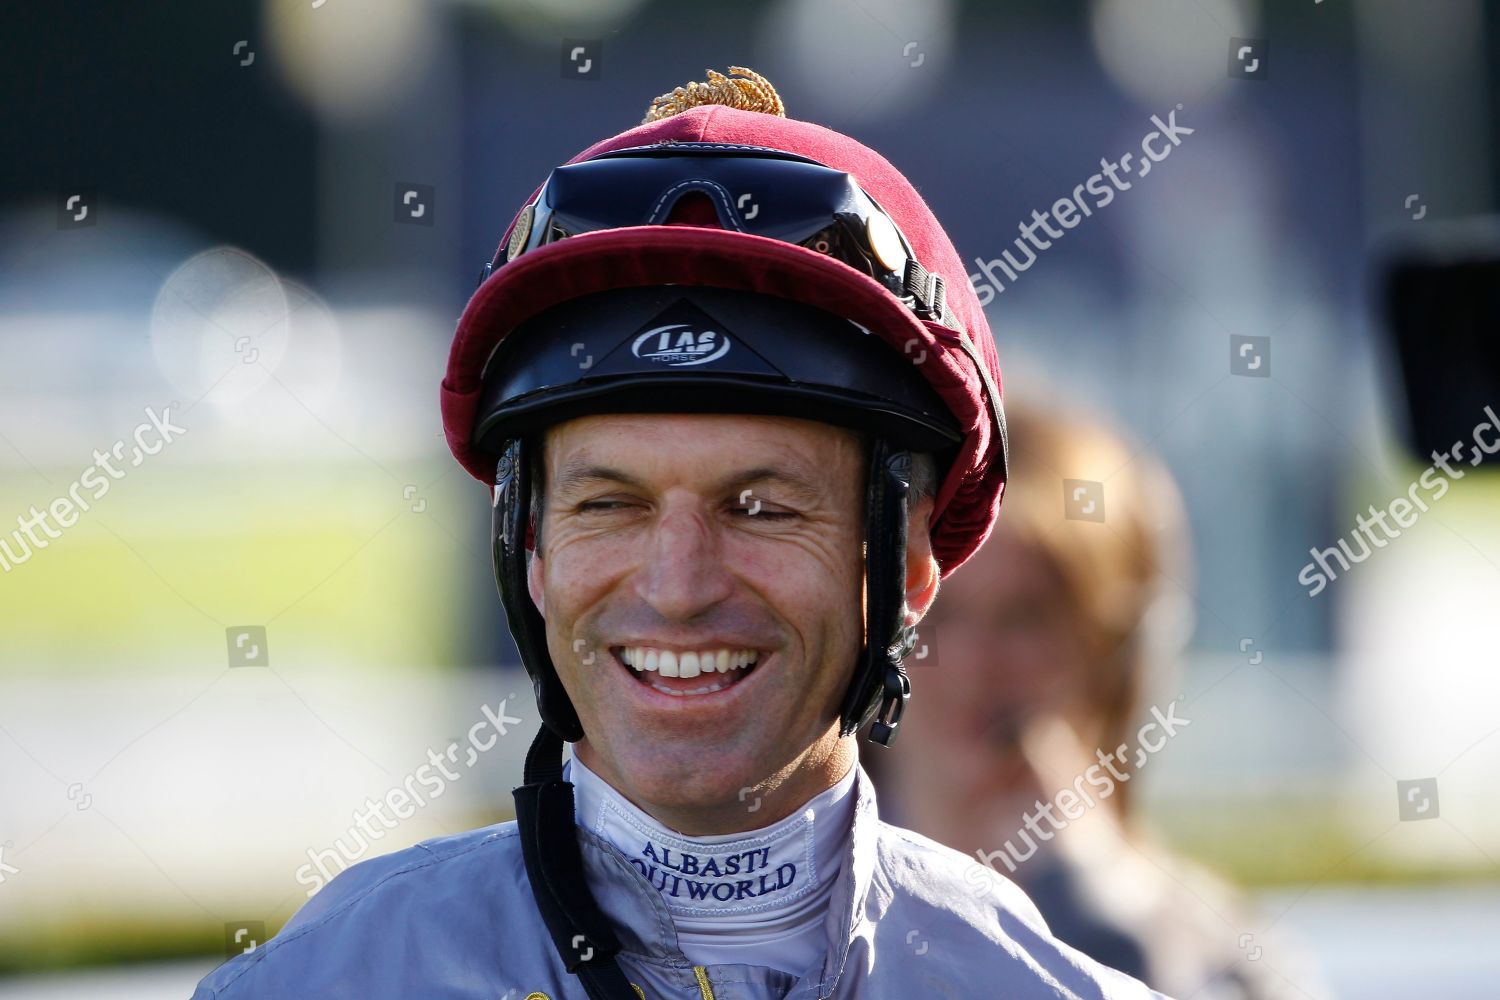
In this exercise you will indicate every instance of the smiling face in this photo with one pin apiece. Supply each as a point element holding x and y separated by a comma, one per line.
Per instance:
<point>672,541</point>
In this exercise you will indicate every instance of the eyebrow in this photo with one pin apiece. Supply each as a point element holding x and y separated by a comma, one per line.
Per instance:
<point>575,475</point>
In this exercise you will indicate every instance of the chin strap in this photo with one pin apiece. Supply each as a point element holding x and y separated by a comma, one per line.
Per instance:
<point>580,931</point>
<point>512,533</point>
<point>545,818</point>
<point>880,687</point>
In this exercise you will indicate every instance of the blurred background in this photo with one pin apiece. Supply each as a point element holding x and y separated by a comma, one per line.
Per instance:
<point>263,220</point>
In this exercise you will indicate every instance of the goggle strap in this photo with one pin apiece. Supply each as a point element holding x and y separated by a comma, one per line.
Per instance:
<point>926,290</point>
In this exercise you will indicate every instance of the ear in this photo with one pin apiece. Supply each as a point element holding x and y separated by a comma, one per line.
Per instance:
<point>534,582</point>
<point>922,570</point>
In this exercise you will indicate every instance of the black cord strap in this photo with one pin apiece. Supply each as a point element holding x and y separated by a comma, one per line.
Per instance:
<point>881,686</point>
<point>580,932</point>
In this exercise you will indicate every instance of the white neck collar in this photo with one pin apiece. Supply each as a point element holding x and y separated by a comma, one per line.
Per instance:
<point>757,897</point>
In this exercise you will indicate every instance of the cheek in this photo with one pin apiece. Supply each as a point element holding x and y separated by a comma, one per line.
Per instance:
<point>575,578</point>
<point>579,567</point>
<point>803,580</point>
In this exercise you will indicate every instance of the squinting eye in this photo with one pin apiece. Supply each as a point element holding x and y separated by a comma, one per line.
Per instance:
<point>600,505</point>
<point>757,511</point>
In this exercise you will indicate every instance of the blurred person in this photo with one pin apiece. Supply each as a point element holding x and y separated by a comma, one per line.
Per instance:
<point>1048,647</point>
<point>736,433</point>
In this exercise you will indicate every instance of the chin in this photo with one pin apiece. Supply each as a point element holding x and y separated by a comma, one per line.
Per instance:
<point>682,776</point>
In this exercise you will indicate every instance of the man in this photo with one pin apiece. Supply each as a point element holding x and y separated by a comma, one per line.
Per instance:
<point>738,428</point>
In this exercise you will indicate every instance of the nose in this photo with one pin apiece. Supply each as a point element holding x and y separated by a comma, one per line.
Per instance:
<point>684,572</point>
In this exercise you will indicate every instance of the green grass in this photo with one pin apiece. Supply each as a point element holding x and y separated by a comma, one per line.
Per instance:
<point>1280,843</point>
<point>334,560</point>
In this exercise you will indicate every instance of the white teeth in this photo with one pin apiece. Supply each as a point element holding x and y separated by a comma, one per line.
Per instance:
<point>692,663</point>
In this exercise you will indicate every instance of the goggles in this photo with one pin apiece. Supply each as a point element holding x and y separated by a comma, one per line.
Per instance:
<point>758,190</point>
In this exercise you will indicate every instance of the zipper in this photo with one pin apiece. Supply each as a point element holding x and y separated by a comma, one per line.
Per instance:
<point>705,988</point>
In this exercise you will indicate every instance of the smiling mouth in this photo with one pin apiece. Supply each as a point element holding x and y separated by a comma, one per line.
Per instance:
<point>682,673</point>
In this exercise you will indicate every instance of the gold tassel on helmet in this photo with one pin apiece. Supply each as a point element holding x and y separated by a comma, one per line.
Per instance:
<point>753,94</point>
